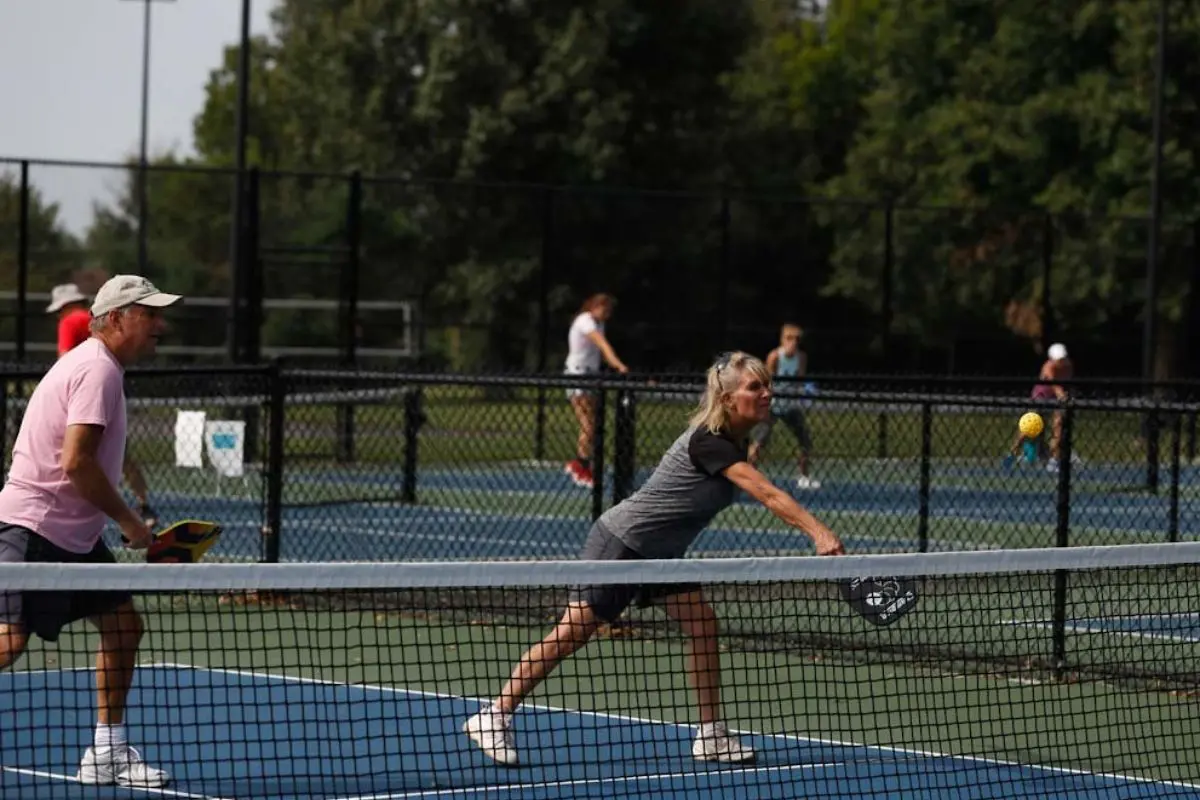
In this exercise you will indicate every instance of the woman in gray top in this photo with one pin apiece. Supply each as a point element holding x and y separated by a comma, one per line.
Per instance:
<point>697,477</point>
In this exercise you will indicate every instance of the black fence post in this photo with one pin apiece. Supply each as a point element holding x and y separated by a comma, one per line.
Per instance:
<point>1173,501</point>
<point>624,445</point>
<point>539,430</point>
<point>724,275</point>
<point>23,263</point>
<point>885,315</point>
<point>1062,539</point>
<point>413,419</point>
<point>1191,436</point>
<point>923,488</point>
<point>4,425</point>
<point>1153,426</point>
<point>250,291</point>
<point>598,433</point>
<point>277,407</point>
<point>1048,326</point>
<point>348,315</point>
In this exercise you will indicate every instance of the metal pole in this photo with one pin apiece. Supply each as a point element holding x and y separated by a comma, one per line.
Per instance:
<point>543,337</point>
<point>23,262</point>
<point>237,321</point>
<point>885,316</point>
<point>1047,264</point>
<point>1150,334</point>
<point>143,211</point>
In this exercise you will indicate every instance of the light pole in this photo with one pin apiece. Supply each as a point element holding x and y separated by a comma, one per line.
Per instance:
<point>143,211</point>
<point>238,254</point>
<point>1150,333</point>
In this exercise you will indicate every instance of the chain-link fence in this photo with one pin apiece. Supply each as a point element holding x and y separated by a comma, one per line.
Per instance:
<point>305,465</point>
<point>472,277</point>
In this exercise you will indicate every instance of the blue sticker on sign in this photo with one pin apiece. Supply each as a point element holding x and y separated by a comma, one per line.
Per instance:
<point>224,441</point>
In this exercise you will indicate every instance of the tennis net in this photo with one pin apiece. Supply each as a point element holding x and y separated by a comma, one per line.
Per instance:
<point>1065,672</point>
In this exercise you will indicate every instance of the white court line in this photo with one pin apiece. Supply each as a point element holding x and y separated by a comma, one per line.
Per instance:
<point>643,721</point>
<point>702,777</point>
<point>38,773</point>
<point>1086,628</point>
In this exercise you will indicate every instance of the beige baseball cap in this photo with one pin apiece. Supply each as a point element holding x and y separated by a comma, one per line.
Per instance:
<point>126,290</point>
<point>64,294</point>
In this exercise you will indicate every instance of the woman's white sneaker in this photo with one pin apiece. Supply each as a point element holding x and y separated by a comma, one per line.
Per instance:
<point>492,731</point>
<point>121,765</point>
<point>715,743</point>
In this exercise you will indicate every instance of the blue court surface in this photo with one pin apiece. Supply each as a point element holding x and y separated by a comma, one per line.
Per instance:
<point>226,735</point>
<point>516,511</point>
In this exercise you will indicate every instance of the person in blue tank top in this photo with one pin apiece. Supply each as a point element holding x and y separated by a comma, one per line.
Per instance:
<point>790,362</point>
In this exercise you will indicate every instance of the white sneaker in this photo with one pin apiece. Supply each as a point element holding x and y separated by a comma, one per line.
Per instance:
<point>715,743</point>
<point>121,765</point>
<point>806,482</point>
<point>492,731</point>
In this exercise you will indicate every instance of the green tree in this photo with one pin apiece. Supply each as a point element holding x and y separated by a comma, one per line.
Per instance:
<point>617,92</point>
<point>1008,107</point>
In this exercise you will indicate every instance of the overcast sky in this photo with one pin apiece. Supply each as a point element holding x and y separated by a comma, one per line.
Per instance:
<point>72,83</point>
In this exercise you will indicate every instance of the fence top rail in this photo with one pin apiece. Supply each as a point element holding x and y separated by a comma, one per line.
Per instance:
<point>730,192</point>
<point>677,391</point>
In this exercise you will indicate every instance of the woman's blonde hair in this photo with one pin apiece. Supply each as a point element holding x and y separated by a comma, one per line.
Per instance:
<point>724,377</point>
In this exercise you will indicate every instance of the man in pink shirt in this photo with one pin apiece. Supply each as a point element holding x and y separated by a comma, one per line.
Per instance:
<point>66,464</point>
<point>74,328</point>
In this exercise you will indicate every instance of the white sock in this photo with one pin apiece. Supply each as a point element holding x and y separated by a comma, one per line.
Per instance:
<point>708,730</point>
<point>110,735</point>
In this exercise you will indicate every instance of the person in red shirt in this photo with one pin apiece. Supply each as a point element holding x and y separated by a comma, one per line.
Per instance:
<point>73,317</point>
<point>74,328</point>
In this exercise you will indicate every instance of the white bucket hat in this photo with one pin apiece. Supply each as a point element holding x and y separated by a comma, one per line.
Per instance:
<point>63,294</point>
<point>126,290</point>
<point>1057,352</point>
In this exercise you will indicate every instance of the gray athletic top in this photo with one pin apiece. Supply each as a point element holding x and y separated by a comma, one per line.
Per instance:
<point>686,490</point>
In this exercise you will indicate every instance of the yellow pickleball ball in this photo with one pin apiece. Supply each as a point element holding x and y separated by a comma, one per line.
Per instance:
<point>1030,425</point>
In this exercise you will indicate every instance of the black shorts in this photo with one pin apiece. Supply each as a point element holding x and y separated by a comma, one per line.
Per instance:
<point>47,613</point>
<point>609,600</point>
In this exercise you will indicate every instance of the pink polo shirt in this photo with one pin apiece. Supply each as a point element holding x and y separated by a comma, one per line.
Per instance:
<point>84,387</point>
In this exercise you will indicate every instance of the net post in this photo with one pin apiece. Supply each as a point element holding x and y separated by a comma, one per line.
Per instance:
<point>624,445</point>
<point>275,462</point>
<point>1062,539</point>
<point>412,428</point>
<point>1173,502</point>
<point>923,490</point>
<point>598,433</point>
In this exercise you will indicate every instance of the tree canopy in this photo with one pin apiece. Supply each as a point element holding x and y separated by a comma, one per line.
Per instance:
<point>785,155</point>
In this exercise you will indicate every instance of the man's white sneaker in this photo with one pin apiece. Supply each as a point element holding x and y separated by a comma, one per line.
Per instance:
<point>492,731</point>
<point>121,765</point>
<point>715,743</point>
<point>806,482</point>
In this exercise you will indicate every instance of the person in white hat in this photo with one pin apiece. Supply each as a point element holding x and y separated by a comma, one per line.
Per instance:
<point>1057,367</point>
<point>74,328</point>
<point>70,304</point>
<point>66,463</point>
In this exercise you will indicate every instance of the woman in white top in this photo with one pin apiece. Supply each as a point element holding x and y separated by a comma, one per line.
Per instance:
<point>587,345</point>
